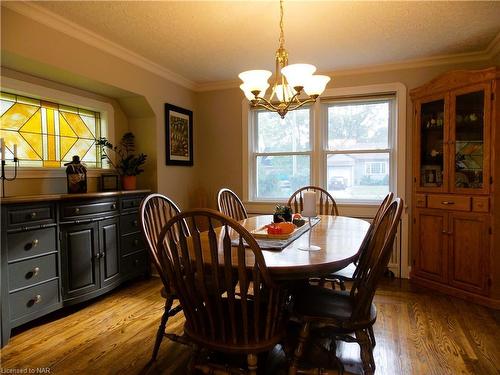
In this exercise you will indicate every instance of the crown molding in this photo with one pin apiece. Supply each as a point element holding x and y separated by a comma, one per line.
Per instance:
<point>487,54</point>
<point>50,19</point>
<point>54,21</point>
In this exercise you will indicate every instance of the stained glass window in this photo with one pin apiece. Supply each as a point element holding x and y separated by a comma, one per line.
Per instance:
<point>48,134</point>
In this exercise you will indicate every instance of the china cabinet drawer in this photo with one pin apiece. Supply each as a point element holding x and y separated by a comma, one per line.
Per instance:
<point>75,209</point>
<point>421,200</point>
<point>449,202</point>
<point>480,204</point>
<point>132,243</point>
<point>30,215</point>
<point>130,203</point>
<point>129,223</point>
<point>32,271</point>
<point>34,299</point>
<point>31,243</point>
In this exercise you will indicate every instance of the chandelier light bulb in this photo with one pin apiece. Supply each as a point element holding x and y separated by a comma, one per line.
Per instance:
<point>316,84</point>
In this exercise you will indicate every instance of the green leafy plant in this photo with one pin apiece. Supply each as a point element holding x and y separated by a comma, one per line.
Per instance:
<point>283,210</point>
<point>127,163</point>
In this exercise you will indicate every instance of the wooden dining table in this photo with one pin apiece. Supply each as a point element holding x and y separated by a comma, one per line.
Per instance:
<point>339,237</point>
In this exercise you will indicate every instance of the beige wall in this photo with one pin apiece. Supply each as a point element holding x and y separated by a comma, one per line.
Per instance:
<point>34,48</point>
<point>221,113</point>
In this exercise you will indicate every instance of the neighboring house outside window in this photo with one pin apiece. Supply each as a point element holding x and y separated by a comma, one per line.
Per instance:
<point>358,148</point>
<point>48,134</point>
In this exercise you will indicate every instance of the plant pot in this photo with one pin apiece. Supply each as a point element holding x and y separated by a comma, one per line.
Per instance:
<point>129,182</point>
<point>278,218</point>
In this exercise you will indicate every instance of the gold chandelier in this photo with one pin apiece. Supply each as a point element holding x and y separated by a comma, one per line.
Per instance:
<point>291,81</point>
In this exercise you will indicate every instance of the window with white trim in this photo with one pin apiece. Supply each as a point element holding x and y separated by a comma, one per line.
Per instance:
<point>281,153</point>
<point>344,143</point>
<point>358,147</point>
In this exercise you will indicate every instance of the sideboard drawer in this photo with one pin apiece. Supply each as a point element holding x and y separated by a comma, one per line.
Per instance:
<point>135,263</point>
<point>130,203</point>
<point>132,243</point>
<point>129,223</point>
<point>449,202</point>
<point>30,215</point>
<point>32,271</point>
<point>31,243</point>
<point>34,299</point>
<point>75,210</point>
<point>420,200</point>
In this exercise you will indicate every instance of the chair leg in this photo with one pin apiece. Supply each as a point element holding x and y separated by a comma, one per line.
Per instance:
<point>342,285</point>
<point>161,329</point>
<point>372,336</point>
<point>191,368</point>
<point>252,364</point>
<point>299,350</point>
<point>365,345</point>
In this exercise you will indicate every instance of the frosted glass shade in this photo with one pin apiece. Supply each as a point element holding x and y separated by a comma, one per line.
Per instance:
<point>248,92</point>
<point>298,74</point>
<point>316,84</point>
<point>252,76</point>
<point>289,92</point>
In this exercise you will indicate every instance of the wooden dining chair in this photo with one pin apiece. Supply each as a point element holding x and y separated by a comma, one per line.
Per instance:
<point>349,316</point>
<point>326,203</point>
<point>155,211</point>
<point>231,205</point>
<point>348,273</point>
<point>203,268</point>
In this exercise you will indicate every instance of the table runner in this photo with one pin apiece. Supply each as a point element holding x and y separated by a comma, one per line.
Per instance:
<point>276,244</point>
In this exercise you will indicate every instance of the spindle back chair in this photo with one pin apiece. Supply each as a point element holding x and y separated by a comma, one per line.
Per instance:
<point>203,269</point>
<point>231,205</point>
<point>155,211</point>
<point>325,202</point>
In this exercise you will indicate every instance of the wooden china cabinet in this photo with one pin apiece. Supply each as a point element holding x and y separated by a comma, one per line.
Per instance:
<point>456,197</point>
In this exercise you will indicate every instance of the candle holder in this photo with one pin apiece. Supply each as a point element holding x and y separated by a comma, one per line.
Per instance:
<point>4,175</point>
<point>309,247</point>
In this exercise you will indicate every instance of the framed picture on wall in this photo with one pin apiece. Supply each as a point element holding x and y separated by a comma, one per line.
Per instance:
<point>109,182</point>
<point>178,135</point>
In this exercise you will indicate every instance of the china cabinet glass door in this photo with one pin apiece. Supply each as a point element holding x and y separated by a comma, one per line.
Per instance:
<point>470,111</point>
<point>432,139</point>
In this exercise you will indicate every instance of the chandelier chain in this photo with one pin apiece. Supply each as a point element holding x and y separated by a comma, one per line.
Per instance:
<point>282,33</point>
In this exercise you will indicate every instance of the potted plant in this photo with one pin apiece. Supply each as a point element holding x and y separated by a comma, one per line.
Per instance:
<point>127,163</point>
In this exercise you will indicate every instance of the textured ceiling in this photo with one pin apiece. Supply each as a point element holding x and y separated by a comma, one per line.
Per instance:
<point>214,41</point>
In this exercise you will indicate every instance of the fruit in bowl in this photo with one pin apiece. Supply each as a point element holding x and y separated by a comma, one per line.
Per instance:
<point>280,228</point>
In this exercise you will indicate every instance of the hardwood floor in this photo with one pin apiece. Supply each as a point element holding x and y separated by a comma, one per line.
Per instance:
<point>417,331</point>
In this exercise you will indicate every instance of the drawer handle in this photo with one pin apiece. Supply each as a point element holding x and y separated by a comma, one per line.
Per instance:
<point>77,210</point>
<point>448,202</point>
<point>33,215</point>
<point>34,243</point>
<point>36,299</point>
<point>136,261</point>
<point>136,242</point>
<point>33,273</point>
<point>134,223</point>
<point>113,206</point>
<point>100,255</point>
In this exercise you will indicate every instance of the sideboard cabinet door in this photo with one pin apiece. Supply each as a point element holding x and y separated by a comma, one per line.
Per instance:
<point>79,256</point>
<point>109,254</point>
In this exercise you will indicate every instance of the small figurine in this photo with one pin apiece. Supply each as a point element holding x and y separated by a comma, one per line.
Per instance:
<point>76,174</point>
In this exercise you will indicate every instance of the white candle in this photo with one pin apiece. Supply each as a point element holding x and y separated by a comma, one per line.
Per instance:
<point>15,151</point>
<point>2,147</point>
<point>309,204</point>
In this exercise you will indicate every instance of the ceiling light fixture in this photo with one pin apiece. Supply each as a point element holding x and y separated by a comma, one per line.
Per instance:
<point>290,82</point>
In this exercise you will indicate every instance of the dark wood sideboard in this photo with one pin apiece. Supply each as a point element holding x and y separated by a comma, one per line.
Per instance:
<point>58,250</point>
